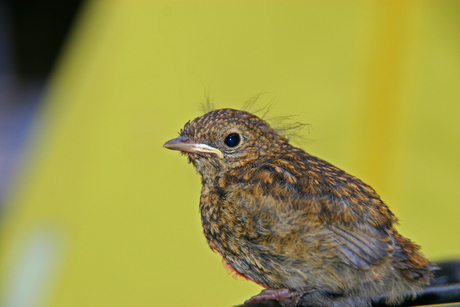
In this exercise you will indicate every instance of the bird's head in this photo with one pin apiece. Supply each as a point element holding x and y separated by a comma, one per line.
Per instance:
<point>225,139</point>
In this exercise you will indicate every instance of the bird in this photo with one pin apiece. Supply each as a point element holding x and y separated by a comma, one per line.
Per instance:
<point>308,232</point>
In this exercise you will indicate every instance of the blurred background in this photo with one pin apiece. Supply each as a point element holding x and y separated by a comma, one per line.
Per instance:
<point>94,212</point>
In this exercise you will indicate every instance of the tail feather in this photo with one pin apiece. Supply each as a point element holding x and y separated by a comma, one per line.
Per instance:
<point>410,261</point>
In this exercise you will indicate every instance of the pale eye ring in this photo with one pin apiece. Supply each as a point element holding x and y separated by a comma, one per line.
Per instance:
<point>232,140</point>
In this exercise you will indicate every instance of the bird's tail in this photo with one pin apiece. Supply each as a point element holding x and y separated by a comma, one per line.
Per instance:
<point>410,261</point>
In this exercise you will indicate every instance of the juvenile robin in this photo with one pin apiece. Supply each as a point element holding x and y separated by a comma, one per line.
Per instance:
<point>307,231</point>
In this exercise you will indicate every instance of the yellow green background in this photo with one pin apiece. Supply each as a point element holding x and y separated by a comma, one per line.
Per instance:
<point>102,215</point>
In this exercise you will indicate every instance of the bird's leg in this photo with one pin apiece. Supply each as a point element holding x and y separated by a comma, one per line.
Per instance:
<point>286,297</point>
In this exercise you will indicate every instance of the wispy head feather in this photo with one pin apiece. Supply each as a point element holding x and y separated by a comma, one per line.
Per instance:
<point>208,104</point>
<point>286,125</point>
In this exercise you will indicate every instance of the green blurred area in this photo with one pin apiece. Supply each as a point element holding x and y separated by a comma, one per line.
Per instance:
<point>104,216</point>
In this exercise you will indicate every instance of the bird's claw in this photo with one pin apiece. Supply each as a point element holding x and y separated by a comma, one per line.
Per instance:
<point>286,297</point>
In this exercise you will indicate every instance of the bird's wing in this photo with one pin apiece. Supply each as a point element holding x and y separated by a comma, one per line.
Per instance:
<point>361,248</point>
<point>348,204</point>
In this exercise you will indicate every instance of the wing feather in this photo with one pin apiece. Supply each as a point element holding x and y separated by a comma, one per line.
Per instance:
<point>361,248</point>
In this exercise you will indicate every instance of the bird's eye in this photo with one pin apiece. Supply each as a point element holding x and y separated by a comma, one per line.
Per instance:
<point>232,140</point>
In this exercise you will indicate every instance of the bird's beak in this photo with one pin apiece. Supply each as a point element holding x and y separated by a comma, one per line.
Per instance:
<point>183,144</point>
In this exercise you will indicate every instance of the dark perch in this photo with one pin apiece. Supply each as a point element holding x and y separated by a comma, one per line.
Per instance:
<point>432,295</point>
<point>446,290</point>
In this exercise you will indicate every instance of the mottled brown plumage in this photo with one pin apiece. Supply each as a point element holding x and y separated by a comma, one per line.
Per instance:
<point>304,229</point>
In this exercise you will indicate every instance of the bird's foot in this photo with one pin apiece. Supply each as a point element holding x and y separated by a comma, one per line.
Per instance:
<point>286,297</point>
